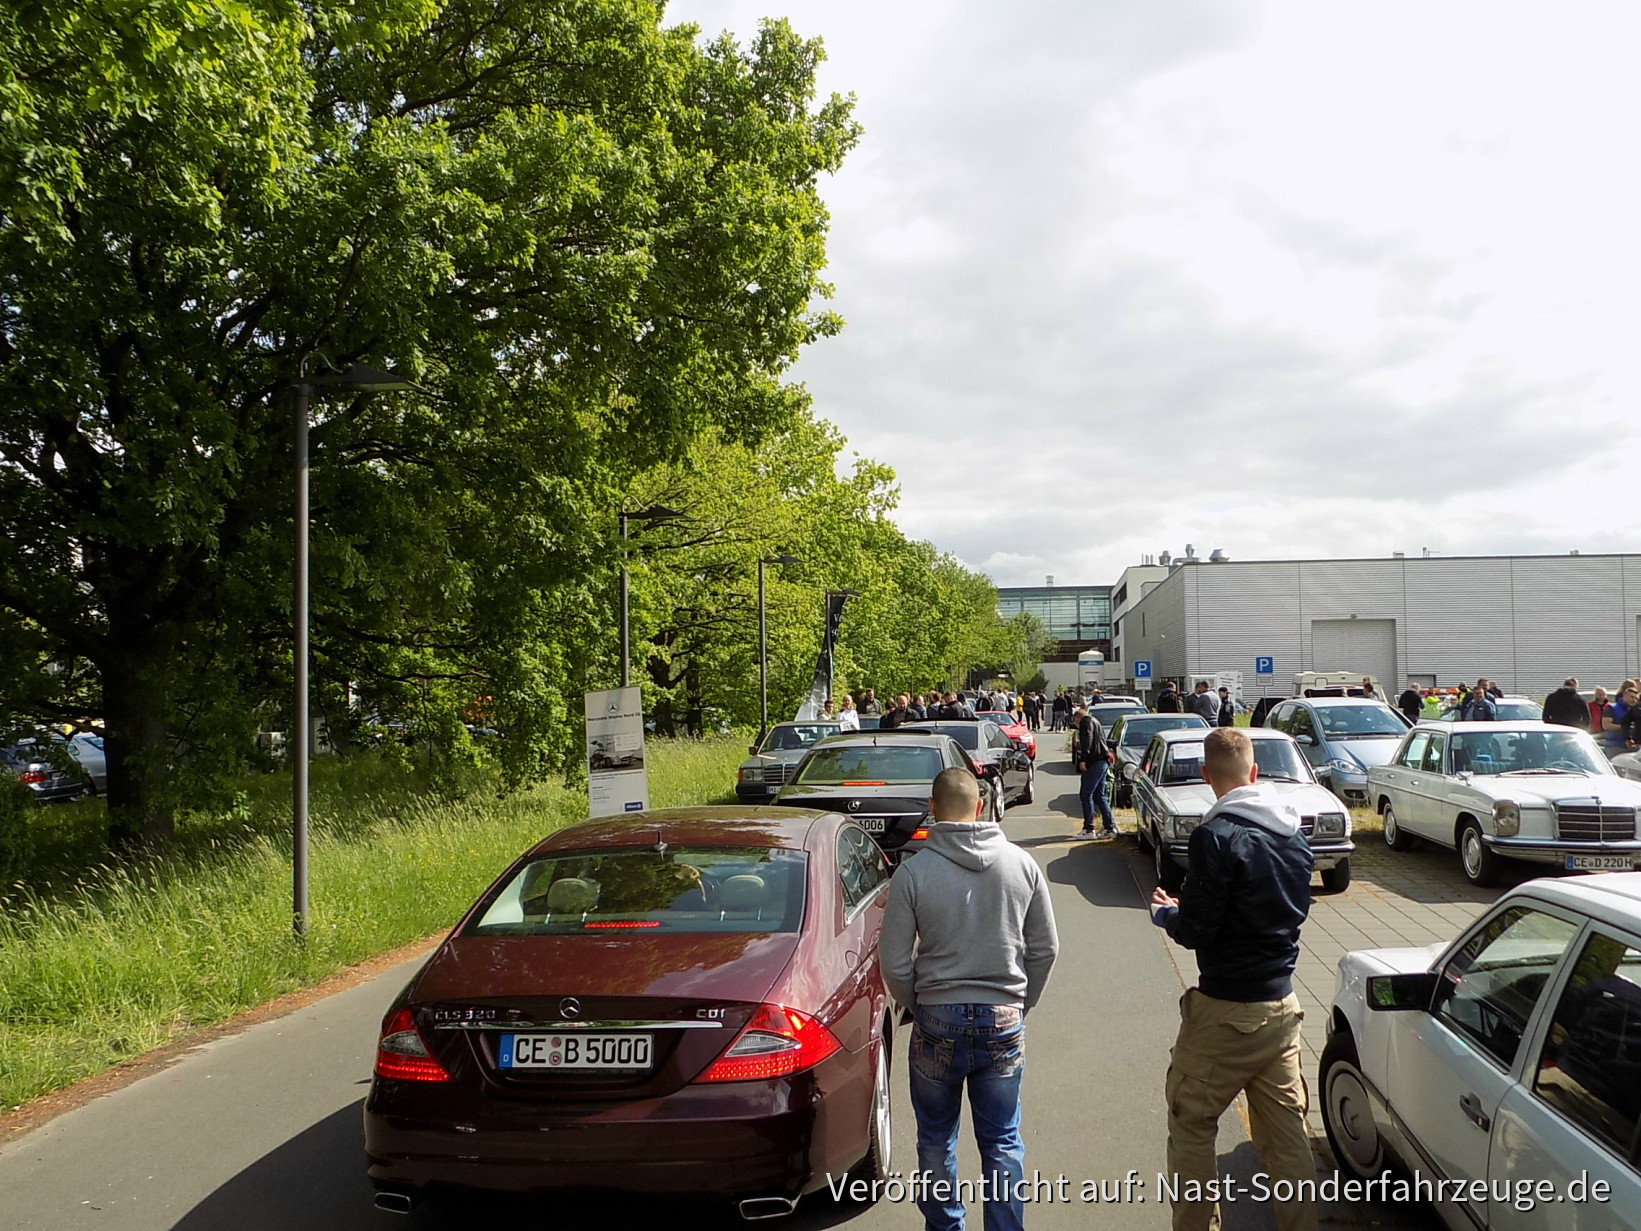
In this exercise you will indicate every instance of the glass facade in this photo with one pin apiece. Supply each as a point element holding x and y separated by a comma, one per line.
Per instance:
<point>1070,613</point>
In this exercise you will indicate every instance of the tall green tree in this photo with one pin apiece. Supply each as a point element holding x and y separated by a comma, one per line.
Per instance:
<point>589,237</point>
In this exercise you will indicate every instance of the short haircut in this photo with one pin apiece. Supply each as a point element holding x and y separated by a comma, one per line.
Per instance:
<point>1570,682</point>
<point>1227,753</point>
<point>954,794</point>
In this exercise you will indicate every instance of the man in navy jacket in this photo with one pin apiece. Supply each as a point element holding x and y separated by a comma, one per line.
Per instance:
<point>1246,894</point>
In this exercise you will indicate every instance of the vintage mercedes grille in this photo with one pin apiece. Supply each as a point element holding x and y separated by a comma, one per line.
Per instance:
<point>1591,823</point>
<point>777,773</point>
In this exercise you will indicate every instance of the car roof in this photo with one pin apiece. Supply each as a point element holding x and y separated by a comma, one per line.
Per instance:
<point>714,825</point>
<point>805,722</point>
<point>1614,897</point>
<point>892,738</point>
<point>1503,724</point>
<point>1328,702</point>
<point>1179,735</point>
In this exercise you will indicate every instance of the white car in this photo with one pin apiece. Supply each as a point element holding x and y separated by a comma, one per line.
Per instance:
<point>1628,765</point>
<point>1517,790</point>
<point>1505,1066</point>
<point>1170,798</point>
<point>87,748</point>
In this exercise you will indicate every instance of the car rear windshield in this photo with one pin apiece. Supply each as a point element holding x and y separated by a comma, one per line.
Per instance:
<point>788,739</point>
<point>1526,752</point>
<point>1137,733</point>
<point>1277,759</point>
<point>680,889</point>
<point>1344,721</point>
<point>870,764</point>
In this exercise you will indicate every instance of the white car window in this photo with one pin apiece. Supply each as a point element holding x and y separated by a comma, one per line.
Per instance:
<point>1487,992</point>
<point>1433,754</point>
<point>1590,1069</point>
<point>1413,755</point>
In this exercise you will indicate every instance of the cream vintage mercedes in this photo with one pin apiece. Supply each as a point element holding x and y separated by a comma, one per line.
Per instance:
<point>1509,790</point>
<point>1170,798</point>
<point>1498,1077</point>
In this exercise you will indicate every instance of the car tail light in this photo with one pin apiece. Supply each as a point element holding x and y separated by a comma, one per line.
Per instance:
<point>775,1043</point>
<point>33,777</point>
<point>979,766</point>
<point>920,834</point>
<point>402,1055</point>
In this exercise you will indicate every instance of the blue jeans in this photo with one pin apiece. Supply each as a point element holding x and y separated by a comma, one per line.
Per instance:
<point>982,1046</point>
<point>1092,795</point>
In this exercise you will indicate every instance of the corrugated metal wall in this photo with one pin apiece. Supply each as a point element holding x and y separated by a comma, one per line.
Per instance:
<point>1156,629</point>
<point>1525,621</point>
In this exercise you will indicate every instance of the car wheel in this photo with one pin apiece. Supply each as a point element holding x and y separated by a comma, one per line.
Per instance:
<point>1029,795</point>
<point>997,804</point>
<point>874,1168</point>
<point>1396,838</point>
<point>1142,835</point>
<point>1337,878</point>
<point>1347,1113</point>
<point>1481,866</point>
<point>1169,874</point>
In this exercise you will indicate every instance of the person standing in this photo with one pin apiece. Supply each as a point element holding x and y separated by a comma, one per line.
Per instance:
<point>1598,707</point>
<point>1227,708</point>
<point>1613,718</point>
<point>1368,690</point>
<point>1566,708</point>
<point>869,704</point>
<point>967,944</point>
<point>1246,896</point>
<point>1410,703</point>
<point>848,718</point>
<point>1480,707</point>
<point>953,707</point>
<point>1092,756</point>
<point>899,711</point>
<point>1203,703</point>
<point>1060,710</point>
<point>1168,700</point>
<point>916,711</point>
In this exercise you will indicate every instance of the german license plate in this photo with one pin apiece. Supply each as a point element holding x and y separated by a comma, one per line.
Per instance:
<point>573,1050</point>
<point>874,824</point>
<point>1600,863</point>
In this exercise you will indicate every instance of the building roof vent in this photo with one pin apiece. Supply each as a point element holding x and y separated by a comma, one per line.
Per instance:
<point>1218,556</point>
<point>1049,579</point>
<point>1165,559</point>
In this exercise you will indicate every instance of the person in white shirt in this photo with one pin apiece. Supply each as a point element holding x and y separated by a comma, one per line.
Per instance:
<point>848,718</point>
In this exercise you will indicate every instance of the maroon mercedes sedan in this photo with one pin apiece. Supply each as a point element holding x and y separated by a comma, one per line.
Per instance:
<point>680,1001</point>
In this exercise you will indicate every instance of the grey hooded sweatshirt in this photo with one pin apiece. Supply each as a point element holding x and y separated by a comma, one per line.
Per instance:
<point>968,922</point>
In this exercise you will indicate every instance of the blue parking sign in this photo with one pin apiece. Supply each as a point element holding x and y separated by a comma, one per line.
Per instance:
<point>1142,669</point>
<point>1264,666</point>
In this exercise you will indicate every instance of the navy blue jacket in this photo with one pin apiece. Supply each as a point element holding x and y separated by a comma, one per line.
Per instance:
<point>1247,892</point>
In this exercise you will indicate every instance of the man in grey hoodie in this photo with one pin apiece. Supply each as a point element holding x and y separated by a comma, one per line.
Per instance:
<point>1247,891</point>
<point>968,940</point>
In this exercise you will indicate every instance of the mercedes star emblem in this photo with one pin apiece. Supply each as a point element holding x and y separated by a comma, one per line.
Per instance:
<point>569,1007</point>
<point>854,805</point>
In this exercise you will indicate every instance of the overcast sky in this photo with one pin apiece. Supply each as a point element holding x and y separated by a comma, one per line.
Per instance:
<point>1281,277</point>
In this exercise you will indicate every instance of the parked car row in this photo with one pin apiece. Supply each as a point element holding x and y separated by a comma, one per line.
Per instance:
<point>57,767</point>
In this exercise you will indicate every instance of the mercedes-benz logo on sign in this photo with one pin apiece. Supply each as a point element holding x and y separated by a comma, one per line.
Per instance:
<point>854,805</point>
<point>569,1007</point>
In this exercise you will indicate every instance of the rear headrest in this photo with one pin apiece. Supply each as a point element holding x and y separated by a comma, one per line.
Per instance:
<point>571,896</point>
<point>743,892</point>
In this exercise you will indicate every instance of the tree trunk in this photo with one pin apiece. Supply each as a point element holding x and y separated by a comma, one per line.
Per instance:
<point>136,724</point>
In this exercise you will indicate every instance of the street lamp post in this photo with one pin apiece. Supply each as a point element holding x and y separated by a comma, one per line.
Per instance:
<point>763,644</point>
<point>355,378</point>
<point>656,512</point>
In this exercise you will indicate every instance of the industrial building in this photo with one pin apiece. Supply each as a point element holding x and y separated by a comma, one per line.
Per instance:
<point>1524,621</point>
<point>1078,617</point>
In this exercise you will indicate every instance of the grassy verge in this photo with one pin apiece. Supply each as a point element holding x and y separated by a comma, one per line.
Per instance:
<point>100,966</point>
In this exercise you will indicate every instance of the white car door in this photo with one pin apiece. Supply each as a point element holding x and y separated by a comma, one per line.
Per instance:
<point>1402,775</point>
<point>1450,1067</point>
<point>1428,814</point>
<point>1573,1118</point>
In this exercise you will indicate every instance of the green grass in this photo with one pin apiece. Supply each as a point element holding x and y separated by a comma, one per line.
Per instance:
<point>101,965</point>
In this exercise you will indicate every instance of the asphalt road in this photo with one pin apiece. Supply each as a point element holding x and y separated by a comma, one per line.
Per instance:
<point>261,1131</point>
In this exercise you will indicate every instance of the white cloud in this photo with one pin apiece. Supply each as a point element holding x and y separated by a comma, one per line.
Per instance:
<point>1283,278</point>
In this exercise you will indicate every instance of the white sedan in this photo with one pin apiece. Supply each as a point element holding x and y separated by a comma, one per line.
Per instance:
<point>1170,798</point>
<point>1504,1067</point>
<point>1517,790</point>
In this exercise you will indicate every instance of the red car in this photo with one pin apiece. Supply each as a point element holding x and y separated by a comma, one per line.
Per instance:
<point>680,1001</point>
<point>1019,734</point>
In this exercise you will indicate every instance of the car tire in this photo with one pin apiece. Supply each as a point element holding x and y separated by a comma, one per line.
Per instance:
<point>1337,878</point>
<point>1396,838</point>
<point>1347,1111</point>
<point>1170,876</point>
<point>1142,835</point>
<point>1029,795</point>
<point>874,1167</point>
<point>1482,867</point>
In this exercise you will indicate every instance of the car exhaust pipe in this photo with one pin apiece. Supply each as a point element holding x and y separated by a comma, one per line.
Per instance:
<point>757,1209</point>
<point>395,1203</point>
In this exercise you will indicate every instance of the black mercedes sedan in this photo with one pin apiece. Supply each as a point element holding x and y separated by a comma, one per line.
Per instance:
<point>879,779</point>
<point>1007,770</point>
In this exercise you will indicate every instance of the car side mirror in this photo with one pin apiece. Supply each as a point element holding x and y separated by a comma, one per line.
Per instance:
<point>1308,741</point>
<point>753,750</point>
<point>1392,993</point>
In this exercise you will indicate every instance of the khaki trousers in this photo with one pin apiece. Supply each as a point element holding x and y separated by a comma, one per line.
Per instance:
<point>1225,1047</point>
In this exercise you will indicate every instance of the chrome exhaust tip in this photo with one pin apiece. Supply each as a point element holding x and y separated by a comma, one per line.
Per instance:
<point>757,1209</point>
<point>395,1203</point>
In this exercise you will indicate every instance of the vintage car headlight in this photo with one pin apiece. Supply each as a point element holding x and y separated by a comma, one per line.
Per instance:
<point>1330,825</point>
<point>1183,825</point>
<point>751,773</point>
<point>1507,818</point>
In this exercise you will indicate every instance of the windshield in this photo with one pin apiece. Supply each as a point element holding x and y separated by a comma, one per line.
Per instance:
<point>1137,732</point>
<point>869,765</point>
<point>1526,752</point>
<point>681,889</point>
<point>787,739</point>
<point>1346,721</point>
<point>1106,715</point>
